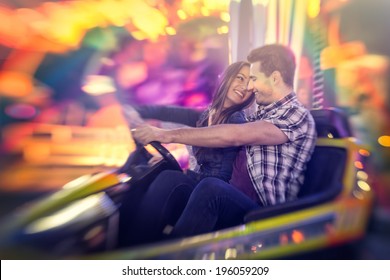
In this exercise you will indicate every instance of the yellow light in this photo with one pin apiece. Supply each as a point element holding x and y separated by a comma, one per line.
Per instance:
<point>384,141</point>
<point>76,182</point>
<point>362,175</point>
<point>139,35</point>
<point>330,135</point>
<point>205,12</point>
<point>181,14</point>
<point>225,17</point>
<point>231,253</point>
<point>223,30</point>
<point>152,28</point>
<point>313,8</point>
<point>170,30</point>
<point>364,185</point>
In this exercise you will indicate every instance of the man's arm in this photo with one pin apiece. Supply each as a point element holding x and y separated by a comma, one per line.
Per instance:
<point>224,135</point>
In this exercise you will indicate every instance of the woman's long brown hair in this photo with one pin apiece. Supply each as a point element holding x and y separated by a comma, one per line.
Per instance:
<point>222,115</point>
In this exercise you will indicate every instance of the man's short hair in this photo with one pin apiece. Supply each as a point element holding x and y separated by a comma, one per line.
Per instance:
<point>275,57</point>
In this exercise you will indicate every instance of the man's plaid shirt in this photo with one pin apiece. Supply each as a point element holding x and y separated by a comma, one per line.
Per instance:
<point>277,171</point>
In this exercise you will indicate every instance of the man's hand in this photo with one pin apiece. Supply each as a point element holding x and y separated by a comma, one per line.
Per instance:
<point>145,134</point>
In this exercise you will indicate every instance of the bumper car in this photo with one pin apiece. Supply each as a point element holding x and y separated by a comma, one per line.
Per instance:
<point>82,220</point>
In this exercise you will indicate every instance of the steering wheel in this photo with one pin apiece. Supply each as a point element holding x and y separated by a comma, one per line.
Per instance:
<point>138,160</point>
<point>166,155</point>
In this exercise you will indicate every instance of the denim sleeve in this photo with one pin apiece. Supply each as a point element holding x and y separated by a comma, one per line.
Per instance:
<point>175,114</point>
<point>237,118</point>
<point>230,153</point>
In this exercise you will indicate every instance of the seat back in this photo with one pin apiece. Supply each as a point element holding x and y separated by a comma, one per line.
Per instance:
<point>331,121</point>
<point>324,172</point>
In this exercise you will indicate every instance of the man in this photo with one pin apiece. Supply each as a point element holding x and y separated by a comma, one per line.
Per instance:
<point>278,141</point>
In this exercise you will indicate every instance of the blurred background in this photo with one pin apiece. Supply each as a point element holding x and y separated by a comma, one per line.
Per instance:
<point>67,67</point>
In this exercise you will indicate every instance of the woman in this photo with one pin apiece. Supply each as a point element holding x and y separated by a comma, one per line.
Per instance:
<point>168,194</point>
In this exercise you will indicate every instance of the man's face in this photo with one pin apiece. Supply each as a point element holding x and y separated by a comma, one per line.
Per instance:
<point>260,85</point>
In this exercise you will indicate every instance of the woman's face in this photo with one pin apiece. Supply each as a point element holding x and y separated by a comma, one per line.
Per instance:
<point>237,93</point>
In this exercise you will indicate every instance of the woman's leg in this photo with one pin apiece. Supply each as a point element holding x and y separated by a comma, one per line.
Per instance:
<point>214,204</point>
<point>160,206</point>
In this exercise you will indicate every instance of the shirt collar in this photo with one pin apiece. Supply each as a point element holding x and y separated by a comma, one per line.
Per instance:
<point>281,102</point>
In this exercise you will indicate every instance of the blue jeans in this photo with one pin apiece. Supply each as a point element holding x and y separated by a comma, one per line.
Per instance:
<point>214,204</point>
<point>161,205</point>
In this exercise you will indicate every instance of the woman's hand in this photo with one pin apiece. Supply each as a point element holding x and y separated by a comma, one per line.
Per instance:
<point>132,117</point>
<point>145,134</point>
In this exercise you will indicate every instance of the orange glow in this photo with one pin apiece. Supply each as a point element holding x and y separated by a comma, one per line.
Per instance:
<point>13,31</point>
<point>36,152</point>
<point>61,134</point>
<point>384,141</point>
<point>29,15</point>
<point>364,152</point>
<point>24,61</point>
<point>297,236</point>
<point>333,55</point>
<point>15,84</point>
<point>334,31</point>
<point>358,164</point>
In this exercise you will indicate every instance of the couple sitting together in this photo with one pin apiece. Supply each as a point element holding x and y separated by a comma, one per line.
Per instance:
<point>244,162</point>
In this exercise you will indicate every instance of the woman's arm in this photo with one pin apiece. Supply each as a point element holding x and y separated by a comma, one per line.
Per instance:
<point>175,114</point>
<point>223,135</point>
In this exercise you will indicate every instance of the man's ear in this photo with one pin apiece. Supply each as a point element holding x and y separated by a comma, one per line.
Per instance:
<point>276,77</point>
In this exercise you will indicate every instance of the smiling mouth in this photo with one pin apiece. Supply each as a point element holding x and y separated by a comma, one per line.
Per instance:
<point>239,93</point>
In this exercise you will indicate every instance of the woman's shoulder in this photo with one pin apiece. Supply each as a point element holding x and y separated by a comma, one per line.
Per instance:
<point>237,117</point>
